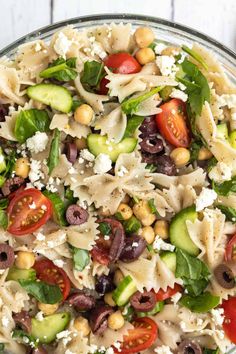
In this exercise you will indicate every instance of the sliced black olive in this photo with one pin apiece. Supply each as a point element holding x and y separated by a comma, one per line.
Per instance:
<point>143,302</point>
<point>104,284</point>
<point>11,185</point>
<point>189,347</point>
<point>7,256</point>
<point>23,319</point>
<point>75,215</point>
<point>71,152</point>
<point>82,301</point>
<point>98,318</point>
<point>133,248</point>
<point>224,276</point>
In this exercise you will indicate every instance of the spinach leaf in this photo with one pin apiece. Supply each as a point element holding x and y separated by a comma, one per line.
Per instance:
<point>211,163</point>
<point>152,206</point>
<point>133,123</point>
<point>10,161</point>
<point>69,196</point>
<point>4,203</point>
<point>3,219</point>
<point>194,150</point>
<point>54,151</point>
<point>131,105</point>
<point>81,258</point>
<point>59,208</point>
<point>200,304</point>
<point>194,273</point>
<point>24,337</point>
<point>29,122</point>
<point>211,351</point>
<point>229,212</point>
<point>132,225</point>
<point>2,347</point>
<point>104,228</point>
<point>226,187</point>
<point>93,73</point>
<point>61,70</point>
<point>76,104</point>
<point>43,292</point>
<point>151,167</point>
<point>195,55</point>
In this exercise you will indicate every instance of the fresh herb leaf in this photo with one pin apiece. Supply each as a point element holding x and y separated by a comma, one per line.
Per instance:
<point>30,121</point>
<point>93,73</point>
<point>211,163</point>
<point>3,219</point>
<point>2,347</point>
<point>59,208</point>
<point>61,70</point>
<point>43,292</point>
<point>81,258</point>
<point>119,216</point>
<point>24,337</point>
<point>131,105</point>
<point>128,313</point>
<point>69,196</point>
<point>53,158</point>
<point>195,55</point>
<point>76,104</point>
<point>229,212</point>
<point>211,351</point>
<point>10,161</point>
<point>4,203</point>
<point>152,206</point>
<point>226,187</point>
<point>2,181</point>
<point>133,123</point>
<point>151,167</point>
<point>132,225</point>
<point>200,304</point>
<point>104,228</point>
<point>194,273</point>
<point>194,150</point>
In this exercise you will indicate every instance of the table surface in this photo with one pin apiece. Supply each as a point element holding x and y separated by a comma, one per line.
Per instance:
<point>213,17</point>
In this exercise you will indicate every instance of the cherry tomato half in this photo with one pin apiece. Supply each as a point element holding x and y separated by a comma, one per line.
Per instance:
<point>141,337</point>
<point>48,272</point>
<point>229,324</point>
<point>163,295</point>
<point>230,251</point>
<point>27,211</point>
<point>171,123</point>
<point>120,63</point>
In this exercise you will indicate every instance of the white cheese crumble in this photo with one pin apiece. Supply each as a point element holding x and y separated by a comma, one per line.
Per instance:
<point>102,164</point>
<point>86,155</point>
<point>163,350</point>
<point>166,65</point>
<point>39,316</point>
<point>160,245</point>
<point>5,321</point>
<point>218,316</point>
<point>59,263</point>
<point>176,297</point>
<point>68,351</point>
<point>50,186</point>
<point>179,94</point>
<point>35,173</point>
<point>159,48</point>
<point>39,236</point>
<point>110,351</point>
<point>62,45</point>
<point>63,334</point>
<point>205,199</point>
<point>221,172</point>
<point>122,171</point>
<point>228,100</point>
<point>37,142</point>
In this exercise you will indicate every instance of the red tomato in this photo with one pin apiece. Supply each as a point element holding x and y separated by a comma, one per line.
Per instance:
<point>27,211</point>
<point>120,63</point>
<point>229,324</point>
<point>13,194</point>
<point>230,251</point>
<point>163,295</point>
<point>172,123</point>
<point>140,338</point>
<point>47,271</point>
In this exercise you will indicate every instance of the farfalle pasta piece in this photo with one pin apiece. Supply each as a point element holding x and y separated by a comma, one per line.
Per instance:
<point>51,240</point>
<point>7,128</point>
<point>10,86</point>
<point>68,125</point>
<point>84,278</point>
<point>13,295</point>
<point>75,342</point>
<point>98,269</point>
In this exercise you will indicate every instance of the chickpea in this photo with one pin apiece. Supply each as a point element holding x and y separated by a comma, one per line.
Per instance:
<point>22,167</point>
<point>24,260</point>
<point>141,209</point>
<point>84,114</point>
<point>125,211</point>
<point>148,220</point>
<point>81,143</point>
<point>181,156</point>
<point>109,300</point>
<point>204,154</point>
<point>148,233</point>
<point>171,51</point>
<point>118,277</point>
<point>116,320</point>
<point>81,324</point>
<point>48,309</point>
<point>161,229</point>
<point>145,56</point>
<point>144,36</point>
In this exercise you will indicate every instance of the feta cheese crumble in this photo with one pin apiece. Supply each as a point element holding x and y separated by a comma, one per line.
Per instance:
<point>59,263</point>
<point>160,245</point>
<point>218,316</point>
<point>86,155</point>
<point>37,142</point>
<point>221,172</point>
<point>163,350</point>
<point>62,45</point>
<point>179,94</point>
<point>39,316</point>
<point>102,164</point>
<point>159,48</point>
<point>35,173</point>
<point>122,171</point>
<point>5,321</point>
<point>166,65</point>
<point>205,199</point>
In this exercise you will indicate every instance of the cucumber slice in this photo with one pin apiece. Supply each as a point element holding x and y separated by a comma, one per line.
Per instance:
<point>57,97</point>
<point>46,330</point>
<point>169,258</point>
<point>158,307</point>
<point>165,92</point>
<point>98,144</point>
<point>124,291</point>
<point>222,131</point>
<point>2,161</point>
<point>17,274</point>
<point>232,139</point>
<point>179,236</point>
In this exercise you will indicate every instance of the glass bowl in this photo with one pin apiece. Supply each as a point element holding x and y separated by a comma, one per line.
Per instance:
<point>167,31</point>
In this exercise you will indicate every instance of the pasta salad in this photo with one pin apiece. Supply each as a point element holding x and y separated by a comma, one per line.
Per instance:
<point>117,202</point>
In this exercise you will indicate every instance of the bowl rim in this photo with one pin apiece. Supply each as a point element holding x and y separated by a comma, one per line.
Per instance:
<point>118,16</point>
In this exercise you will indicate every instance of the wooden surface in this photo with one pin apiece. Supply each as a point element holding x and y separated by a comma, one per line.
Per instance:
<point>216,18</point>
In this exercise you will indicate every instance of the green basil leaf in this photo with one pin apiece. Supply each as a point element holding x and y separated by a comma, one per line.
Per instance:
<point>195,55</point>
<point>194,150</point>
<point>151,167</point>
<point>43,292</point>
<point>4,203</point>
<point>53,158</point>
<point>2,347</point>
<point>81,258</point>
<point>211,351</point>
<point>59,208</point>
<point>211,163</point>
<point>61,70</point>
<point>133,123</point>
<point>69,196</point>
<point>10,161</point>
<point>76,104</point>
<point>229,212</point>
<point>93,72</point>
<point>29,122</point>
<point>3,219</point>
<point>132,225</point>
<point>226,187</point>
<point>131,105</point>
<point>200,304</point>
<point>194,287</point>
<point>24,337</point>
<point>104,228</point>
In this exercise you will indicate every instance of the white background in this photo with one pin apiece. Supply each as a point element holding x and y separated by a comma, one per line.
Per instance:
<point>216,18</point>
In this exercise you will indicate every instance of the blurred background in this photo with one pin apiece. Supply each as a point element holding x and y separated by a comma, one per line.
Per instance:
<point>217,18</point>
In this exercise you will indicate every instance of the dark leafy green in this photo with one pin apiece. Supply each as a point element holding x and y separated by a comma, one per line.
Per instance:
<point>194,150</point>
<point>2,181</point>
<point>194,273</point>
<point>43,292</point>
<point>195,55</point>
<point>151,167</point>
<point>211,163</point>
<point>76,104</point>
<point>229,212</point>
<point>133,123</point>
<point>61,70</point>
<point>30,121</point>
<point>3,219</point>
<point>4,203</point>
<point>54,152</point>
<point>211,351</point>
<point>24,337</point>
<point>131,105</point>
<point>152,206</point>
<point>226,187</point>
<point>2,347</point>
<point>132,225</point>
<point>10,161</point>
<point>93,73</point>
<point>104,228</point>
<point>81,258</point>
<point>201,303</point>
<point>59,208</point>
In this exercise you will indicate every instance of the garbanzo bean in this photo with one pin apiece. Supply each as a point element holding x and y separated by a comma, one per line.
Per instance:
<point>145,56</point>
<point>161,228</point>
<point>25,260</point>
<point>181,156</point>
<point>84,114</point>
<point>22,167</point>
<point>116,320</point>
<point>81,324</point>
<point>125,211</point>
<point>204,154</point>
<point>148,233</point>
<point>48,309</point>
<point>144,36</point>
